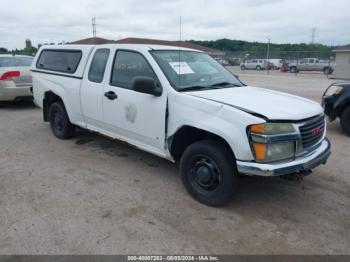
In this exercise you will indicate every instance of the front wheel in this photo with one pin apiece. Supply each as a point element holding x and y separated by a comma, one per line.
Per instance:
<point>209,173</point>
<point>59,121</point>
<point>345,120</point>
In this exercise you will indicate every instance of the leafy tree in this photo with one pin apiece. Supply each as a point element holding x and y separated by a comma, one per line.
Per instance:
<point>3,50</point>
<point>240,48</point>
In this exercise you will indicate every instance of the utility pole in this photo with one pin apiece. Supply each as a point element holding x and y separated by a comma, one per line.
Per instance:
<point>268,54</point>
<point>313,35</point>
<point>94,27</point>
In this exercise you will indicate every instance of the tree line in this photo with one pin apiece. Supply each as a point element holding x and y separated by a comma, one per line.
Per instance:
<point>241,48</point>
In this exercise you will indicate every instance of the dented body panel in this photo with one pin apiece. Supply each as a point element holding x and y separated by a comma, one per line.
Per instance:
<point>188,110</point>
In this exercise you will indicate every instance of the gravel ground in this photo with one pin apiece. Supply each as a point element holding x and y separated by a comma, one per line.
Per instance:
<point>90,195</point>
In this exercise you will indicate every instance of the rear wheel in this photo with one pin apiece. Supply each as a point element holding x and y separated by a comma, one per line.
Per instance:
<point>59,121</point>
<point>345,120</point>
<point>293,69</point>
<point>209,173</point>
<point>327,71</point>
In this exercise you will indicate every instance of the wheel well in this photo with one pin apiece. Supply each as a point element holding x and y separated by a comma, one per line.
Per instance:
<point>49,99</point>
<point>188,135</point>
<point>342,108</point>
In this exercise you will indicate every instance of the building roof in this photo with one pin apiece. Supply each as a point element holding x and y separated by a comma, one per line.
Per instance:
<point>133,40</point>
<point>344,48</point>
<point>92,41</point>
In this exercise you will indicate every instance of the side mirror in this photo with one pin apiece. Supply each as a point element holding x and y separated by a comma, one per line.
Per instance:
<point>147,85</point>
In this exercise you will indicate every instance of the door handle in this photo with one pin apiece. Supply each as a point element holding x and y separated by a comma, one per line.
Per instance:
<point>111,95</point>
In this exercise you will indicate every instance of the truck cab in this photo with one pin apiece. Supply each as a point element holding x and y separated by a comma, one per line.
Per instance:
<point>311,64</point>
<point>182,105</point>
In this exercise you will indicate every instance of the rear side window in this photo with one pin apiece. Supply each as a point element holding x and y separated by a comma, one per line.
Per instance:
<point>128,65</point>
<point>65,61</point>
<point>98,65</point>
<point>15,61</point>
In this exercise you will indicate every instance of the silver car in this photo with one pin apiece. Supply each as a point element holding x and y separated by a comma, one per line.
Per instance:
<point>258,64</point>
<point>15,77</point>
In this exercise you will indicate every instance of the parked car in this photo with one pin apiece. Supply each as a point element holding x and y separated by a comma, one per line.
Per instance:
<point>235,61</point>
<point>336,103</point>
<point>277,63</point>
<point>270,65</point>
<point>15,77</point>
<point>311,64</point>
<point>258,64</point>
<point>223,62</point>
<point>186,108</point>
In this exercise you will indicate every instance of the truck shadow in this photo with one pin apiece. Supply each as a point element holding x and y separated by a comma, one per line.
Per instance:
<point>17,105</point>
<point>252,190</point>
<point>100,144</point>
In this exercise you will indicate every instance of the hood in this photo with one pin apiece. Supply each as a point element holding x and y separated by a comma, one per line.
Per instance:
<point>271,104</point>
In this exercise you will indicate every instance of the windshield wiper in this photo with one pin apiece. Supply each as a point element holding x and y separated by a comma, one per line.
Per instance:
<point>226,84</point>
<point>194,88</point>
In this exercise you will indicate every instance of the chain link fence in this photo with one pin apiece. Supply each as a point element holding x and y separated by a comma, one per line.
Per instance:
<point>285,61</point>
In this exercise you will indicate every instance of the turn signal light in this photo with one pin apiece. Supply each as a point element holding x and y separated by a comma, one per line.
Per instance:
<point>257,128</point>
<point>10,74</point>
<point>260,151</point>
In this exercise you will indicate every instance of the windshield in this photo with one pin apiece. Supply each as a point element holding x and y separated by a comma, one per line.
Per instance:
<point>190,70</point>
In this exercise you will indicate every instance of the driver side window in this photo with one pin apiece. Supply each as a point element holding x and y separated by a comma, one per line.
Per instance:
<point>128,65</point>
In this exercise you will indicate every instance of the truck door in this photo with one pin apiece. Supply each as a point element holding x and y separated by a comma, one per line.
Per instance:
<point>92,88</point>
<point>310,64</point>
<point>132,116</point>
<point>302,64</point>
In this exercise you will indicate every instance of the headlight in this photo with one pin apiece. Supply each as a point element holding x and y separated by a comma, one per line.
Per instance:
<point>333,90</point>
<point>266,149</point>
<point>274,152</point>
<point>272,128</point>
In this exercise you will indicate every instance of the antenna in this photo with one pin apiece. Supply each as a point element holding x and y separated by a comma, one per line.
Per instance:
<point>94,27</point>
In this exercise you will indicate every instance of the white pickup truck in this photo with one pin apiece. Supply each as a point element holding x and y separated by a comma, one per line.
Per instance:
<point>182,105</point>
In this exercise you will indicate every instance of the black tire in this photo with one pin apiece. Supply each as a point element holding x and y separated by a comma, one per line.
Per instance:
<point>209,173</point>
<point>345,120</point>
<point>59,121</point>
<point>258,68</point>
<point>293,69</point>
<point>327,71</point>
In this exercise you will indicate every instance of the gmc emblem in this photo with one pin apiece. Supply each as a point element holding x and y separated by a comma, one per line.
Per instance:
<point>316,131</point>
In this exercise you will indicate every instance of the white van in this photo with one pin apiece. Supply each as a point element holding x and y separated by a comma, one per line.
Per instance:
<point>182,105</point>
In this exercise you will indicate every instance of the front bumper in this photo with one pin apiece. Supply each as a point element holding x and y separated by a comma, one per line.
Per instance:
<point>328,106</point>
<point>303,163</point>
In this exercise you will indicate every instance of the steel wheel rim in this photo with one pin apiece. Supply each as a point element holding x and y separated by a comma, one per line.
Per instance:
<point>204,174</point>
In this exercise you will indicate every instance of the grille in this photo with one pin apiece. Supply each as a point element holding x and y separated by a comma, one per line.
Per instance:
<point>312,131</point>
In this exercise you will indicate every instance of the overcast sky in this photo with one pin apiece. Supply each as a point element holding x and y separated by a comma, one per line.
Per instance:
<point>254,20</point>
